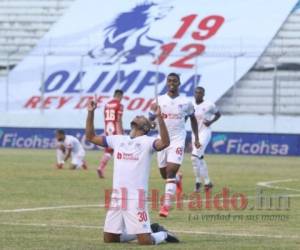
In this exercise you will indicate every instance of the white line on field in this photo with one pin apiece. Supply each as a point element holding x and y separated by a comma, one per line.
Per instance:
<point>20,210</point>
<point>34,209</point>
<point>269,184</point>
<point>173,230</point>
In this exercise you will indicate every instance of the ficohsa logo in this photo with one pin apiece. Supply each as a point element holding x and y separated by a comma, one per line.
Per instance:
<point>223,144</point>
<point>218,141</point>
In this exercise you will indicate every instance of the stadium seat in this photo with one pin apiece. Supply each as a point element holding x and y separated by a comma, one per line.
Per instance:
<point>260,91</point>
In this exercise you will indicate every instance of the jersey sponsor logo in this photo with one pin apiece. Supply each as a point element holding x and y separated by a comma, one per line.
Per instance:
<point>117,46</point>
<point>127,156</point>
<point>172,116</point>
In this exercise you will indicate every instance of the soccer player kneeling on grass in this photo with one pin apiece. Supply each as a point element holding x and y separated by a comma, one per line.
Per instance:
<point>68,146</point>
<point>132,158</point>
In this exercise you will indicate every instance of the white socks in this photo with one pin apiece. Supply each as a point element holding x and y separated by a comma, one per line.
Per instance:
<point>196,168</point>
<point>170,190</point>
<point>204,171</point>
<point>124,237</point>
<point>158,237</point>
<point>200,169</point>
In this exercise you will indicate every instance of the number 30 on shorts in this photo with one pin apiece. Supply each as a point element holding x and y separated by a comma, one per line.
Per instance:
<point>142,216</point>
<point>179,151</point>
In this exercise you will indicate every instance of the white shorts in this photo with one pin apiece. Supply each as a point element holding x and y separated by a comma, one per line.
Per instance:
<point>132,220</point>
<point>173,154</point>
<point>77,159</point>
<point>204,138</point>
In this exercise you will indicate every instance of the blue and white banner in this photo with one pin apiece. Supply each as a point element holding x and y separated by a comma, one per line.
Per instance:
<point>221,143</point>
<point>98,47</point>
<point>255,144</point>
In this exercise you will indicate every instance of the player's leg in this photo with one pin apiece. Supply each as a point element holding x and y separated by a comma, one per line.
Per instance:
<point>170,188</point>
<point>60,156</point>
<point>196,152</point>
<point>114,223</point>
<point>137,224</point>
<point>103,162</point>
<point>174,157</point>
<point>204,138</point>
<point>111,238</point>
<point>77,161</point>
<point>146,238</point>
<point>83,162</point>
<point>162,163</point>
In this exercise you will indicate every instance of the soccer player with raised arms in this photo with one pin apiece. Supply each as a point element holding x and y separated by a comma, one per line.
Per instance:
<point>132,159</point>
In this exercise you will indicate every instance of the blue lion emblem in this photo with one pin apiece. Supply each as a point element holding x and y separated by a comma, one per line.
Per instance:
<point>126,38</point>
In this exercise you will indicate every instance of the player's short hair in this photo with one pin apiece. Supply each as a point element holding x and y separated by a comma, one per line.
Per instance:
<point>118,92</point>
<point>146,127</point>
<point>200,88</point>
<point>60,131</point>
<point>174,74</point>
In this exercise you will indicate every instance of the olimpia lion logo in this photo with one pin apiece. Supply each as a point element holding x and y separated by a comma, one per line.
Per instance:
<point>127,38</point>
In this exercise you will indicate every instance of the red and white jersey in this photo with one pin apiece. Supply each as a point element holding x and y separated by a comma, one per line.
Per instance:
<point>132,160</point>
<point>113,111</point>
<point>71,142</point>
<point>204,112</point>
<point>174,111</point>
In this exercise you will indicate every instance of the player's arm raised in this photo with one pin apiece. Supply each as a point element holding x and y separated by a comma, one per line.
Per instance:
<point>89,128</point>
<point>164,140</point>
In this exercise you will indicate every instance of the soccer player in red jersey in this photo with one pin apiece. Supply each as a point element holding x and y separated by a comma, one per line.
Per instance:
<point>113,111</point>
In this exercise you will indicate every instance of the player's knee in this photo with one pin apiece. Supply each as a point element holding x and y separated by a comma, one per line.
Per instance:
<point>110,238</point>
<point>163,173</point>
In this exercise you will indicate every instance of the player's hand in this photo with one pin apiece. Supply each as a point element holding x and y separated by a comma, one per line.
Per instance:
<point>154,107</point>
<point>91,105</point>
<point>207,123</point>
<point>158,111</point>
<point>197,144</point>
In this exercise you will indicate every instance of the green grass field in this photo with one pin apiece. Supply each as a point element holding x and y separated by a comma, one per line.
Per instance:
<point>29,181</point>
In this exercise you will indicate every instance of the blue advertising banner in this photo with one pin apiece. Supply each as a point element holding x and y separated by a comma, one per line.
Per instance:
<point>221,142</point>
<point>254,144</point>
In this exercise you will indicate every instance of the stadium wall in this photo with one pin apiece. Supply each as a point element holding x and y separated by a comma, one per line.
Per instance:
<point>221,143</point>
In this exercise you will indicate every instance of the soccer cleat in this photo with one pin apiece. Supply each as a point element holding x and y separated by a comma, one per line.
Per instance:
<point>179,183</point>
<point>197,187</point>
<point>171,238</point>
<point>208,186</point>
<point>100,173</point>
<point>164,211</point>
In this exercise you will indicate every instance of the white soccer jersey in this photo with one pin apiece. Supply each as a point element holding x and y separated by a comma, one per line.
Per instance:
<point>204,111</point>
<point>73,143</point>
<point>174,111</point>
<point>132,159</point>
